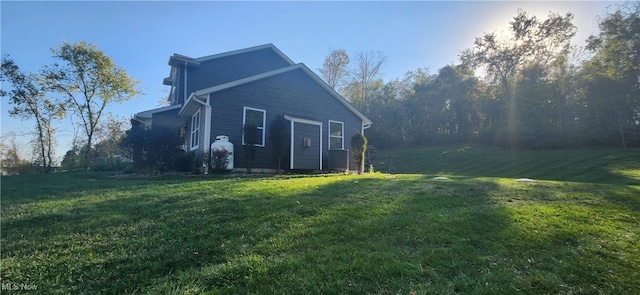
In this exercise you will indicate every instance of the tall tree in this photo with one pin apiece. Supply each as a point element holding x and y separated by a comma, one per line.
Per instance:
<point>530,41</point>
<point>90,81</point>
<point>388,109</point>
<point>612,76</point>
<point>30,101</point>
<point>458,89</point>
<point>334,68</point>
<point>367,70</point>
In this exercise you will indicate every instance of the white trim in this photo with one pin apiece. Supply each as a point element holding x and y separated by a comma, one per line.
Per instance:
<point>148,114</point>
<point>304,121</point>
<point>300,120</point>
<point>185,80</point>
<point>264,122</point>
<point>177,59</point>
<point>186,104</point>
<point>291,143</point>
<point>341,132</point>
<point>365,121</point>
<point>193,146</point>
<point>247,80</point>
<point>245,50</point>
<point>207,124</point>
<point>336,95</point>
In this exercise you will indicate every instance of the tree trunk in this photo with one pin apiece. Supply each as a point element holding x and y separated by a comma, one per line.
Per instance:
<point>41,138</point>
<point>621,129</point>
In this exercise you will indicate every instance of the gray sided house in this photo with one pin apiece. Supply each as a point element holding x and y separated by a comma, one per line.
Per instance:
<point>215,95</point>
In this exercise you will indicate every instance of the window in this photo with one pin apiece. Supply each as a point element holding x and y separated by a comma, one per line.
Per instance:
<point>195,130</point>
<point>256,117</point>
<point>336,135</point>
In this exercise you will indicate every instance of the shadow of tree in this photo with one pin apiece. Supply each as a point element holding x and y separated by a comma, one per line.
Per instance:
<point>301,234</point>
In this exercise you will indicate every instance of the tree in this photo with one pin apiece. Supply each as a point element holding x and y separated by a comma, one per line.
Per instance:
<point>458,90</point>
<point>388,111</point>
<point>71,160</point>
<point>358,147</point>
<point>156,148</point>
<point>29,100</point>
<point>109,135</point>
<point>366,71</point>
<point>90,81</point>
<point>334,69</point>
<point>11,160</point>
<point>280,138</point>
<point>251,136</point>
<point>612,77</point>
<point>530,41</point>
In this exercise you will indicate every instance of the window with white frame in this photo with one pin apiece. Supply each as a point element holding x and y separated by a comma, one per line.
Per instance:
<point>336,135</point>
<point>195,130</point>
<point>258,118</point>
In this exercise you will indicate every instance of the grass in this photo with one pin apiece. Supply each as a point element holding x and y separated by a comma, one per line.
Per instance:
<point>610,166</point>
<point>478,233</point>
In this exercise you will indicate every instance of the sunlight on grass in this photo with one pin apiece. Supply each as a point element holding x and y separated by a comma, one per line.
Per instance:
<point>632,173</point>
<point>319,234</point>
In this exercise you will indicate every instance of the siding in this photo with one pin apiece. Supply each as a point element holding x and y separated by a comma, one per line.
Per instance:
<point>306,157</point>
<point>201,144</point>
<point>291,93</point>
<point>167,119</point>
<point>222,70</point>
<point>180,85</point>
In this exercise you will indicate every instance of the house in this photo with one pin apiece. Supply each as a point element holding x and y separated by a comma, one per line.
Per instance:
<point>217,94</point>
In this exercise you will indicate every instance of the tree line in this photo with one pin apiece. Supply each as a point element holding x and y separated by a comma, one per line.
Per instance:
<point>529,89</point>
<point>80,83</point>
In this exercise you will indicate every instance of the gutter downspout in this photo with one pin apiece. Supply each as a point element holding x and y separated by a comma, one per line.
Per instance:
<point>207,128</point>
<point>364,126</point>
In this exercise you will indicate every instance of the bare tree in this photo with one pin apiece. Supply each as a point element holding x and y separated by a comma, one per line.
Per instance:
<point>367,69</point>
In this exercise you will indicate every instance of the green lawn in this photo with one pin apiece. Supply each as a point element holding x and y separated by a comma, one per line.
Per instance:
<point>609,166</point>
<point>478,233</point>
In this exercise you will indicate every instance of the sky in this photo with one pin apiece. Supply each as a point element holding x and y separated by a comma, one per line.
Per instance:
<point>141,36</point>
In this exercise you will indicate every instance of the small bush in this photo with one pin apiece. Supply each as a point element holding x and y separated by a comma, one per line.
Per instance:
<point>184,162</point>
<point>219,160</point>
<point>358,147</point>
<point>128,168</point>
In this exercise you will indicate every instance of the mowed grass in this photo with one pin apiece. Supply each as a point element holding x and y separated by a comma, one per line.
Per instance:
<point>89,233</point>
<point>595,165</point>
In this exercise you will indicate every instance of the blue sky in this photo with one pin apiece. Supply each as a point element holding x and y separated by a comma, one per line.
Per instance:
<point>140,36</point>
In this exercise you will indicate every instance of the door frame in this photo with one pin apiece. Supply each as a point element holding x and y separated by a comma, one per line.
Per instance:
<point>295,120</point>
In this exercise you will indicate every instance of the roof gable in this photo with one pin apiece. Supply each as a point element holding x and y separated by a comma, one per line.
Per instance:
<point>179,59</point>
<point>268,46</point>
<point>217,69</point>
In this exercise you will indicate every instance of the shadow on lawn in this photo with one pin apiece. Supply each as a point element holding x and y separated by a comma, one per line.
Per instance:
<point>112,241</point>
<point>359,235</point>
